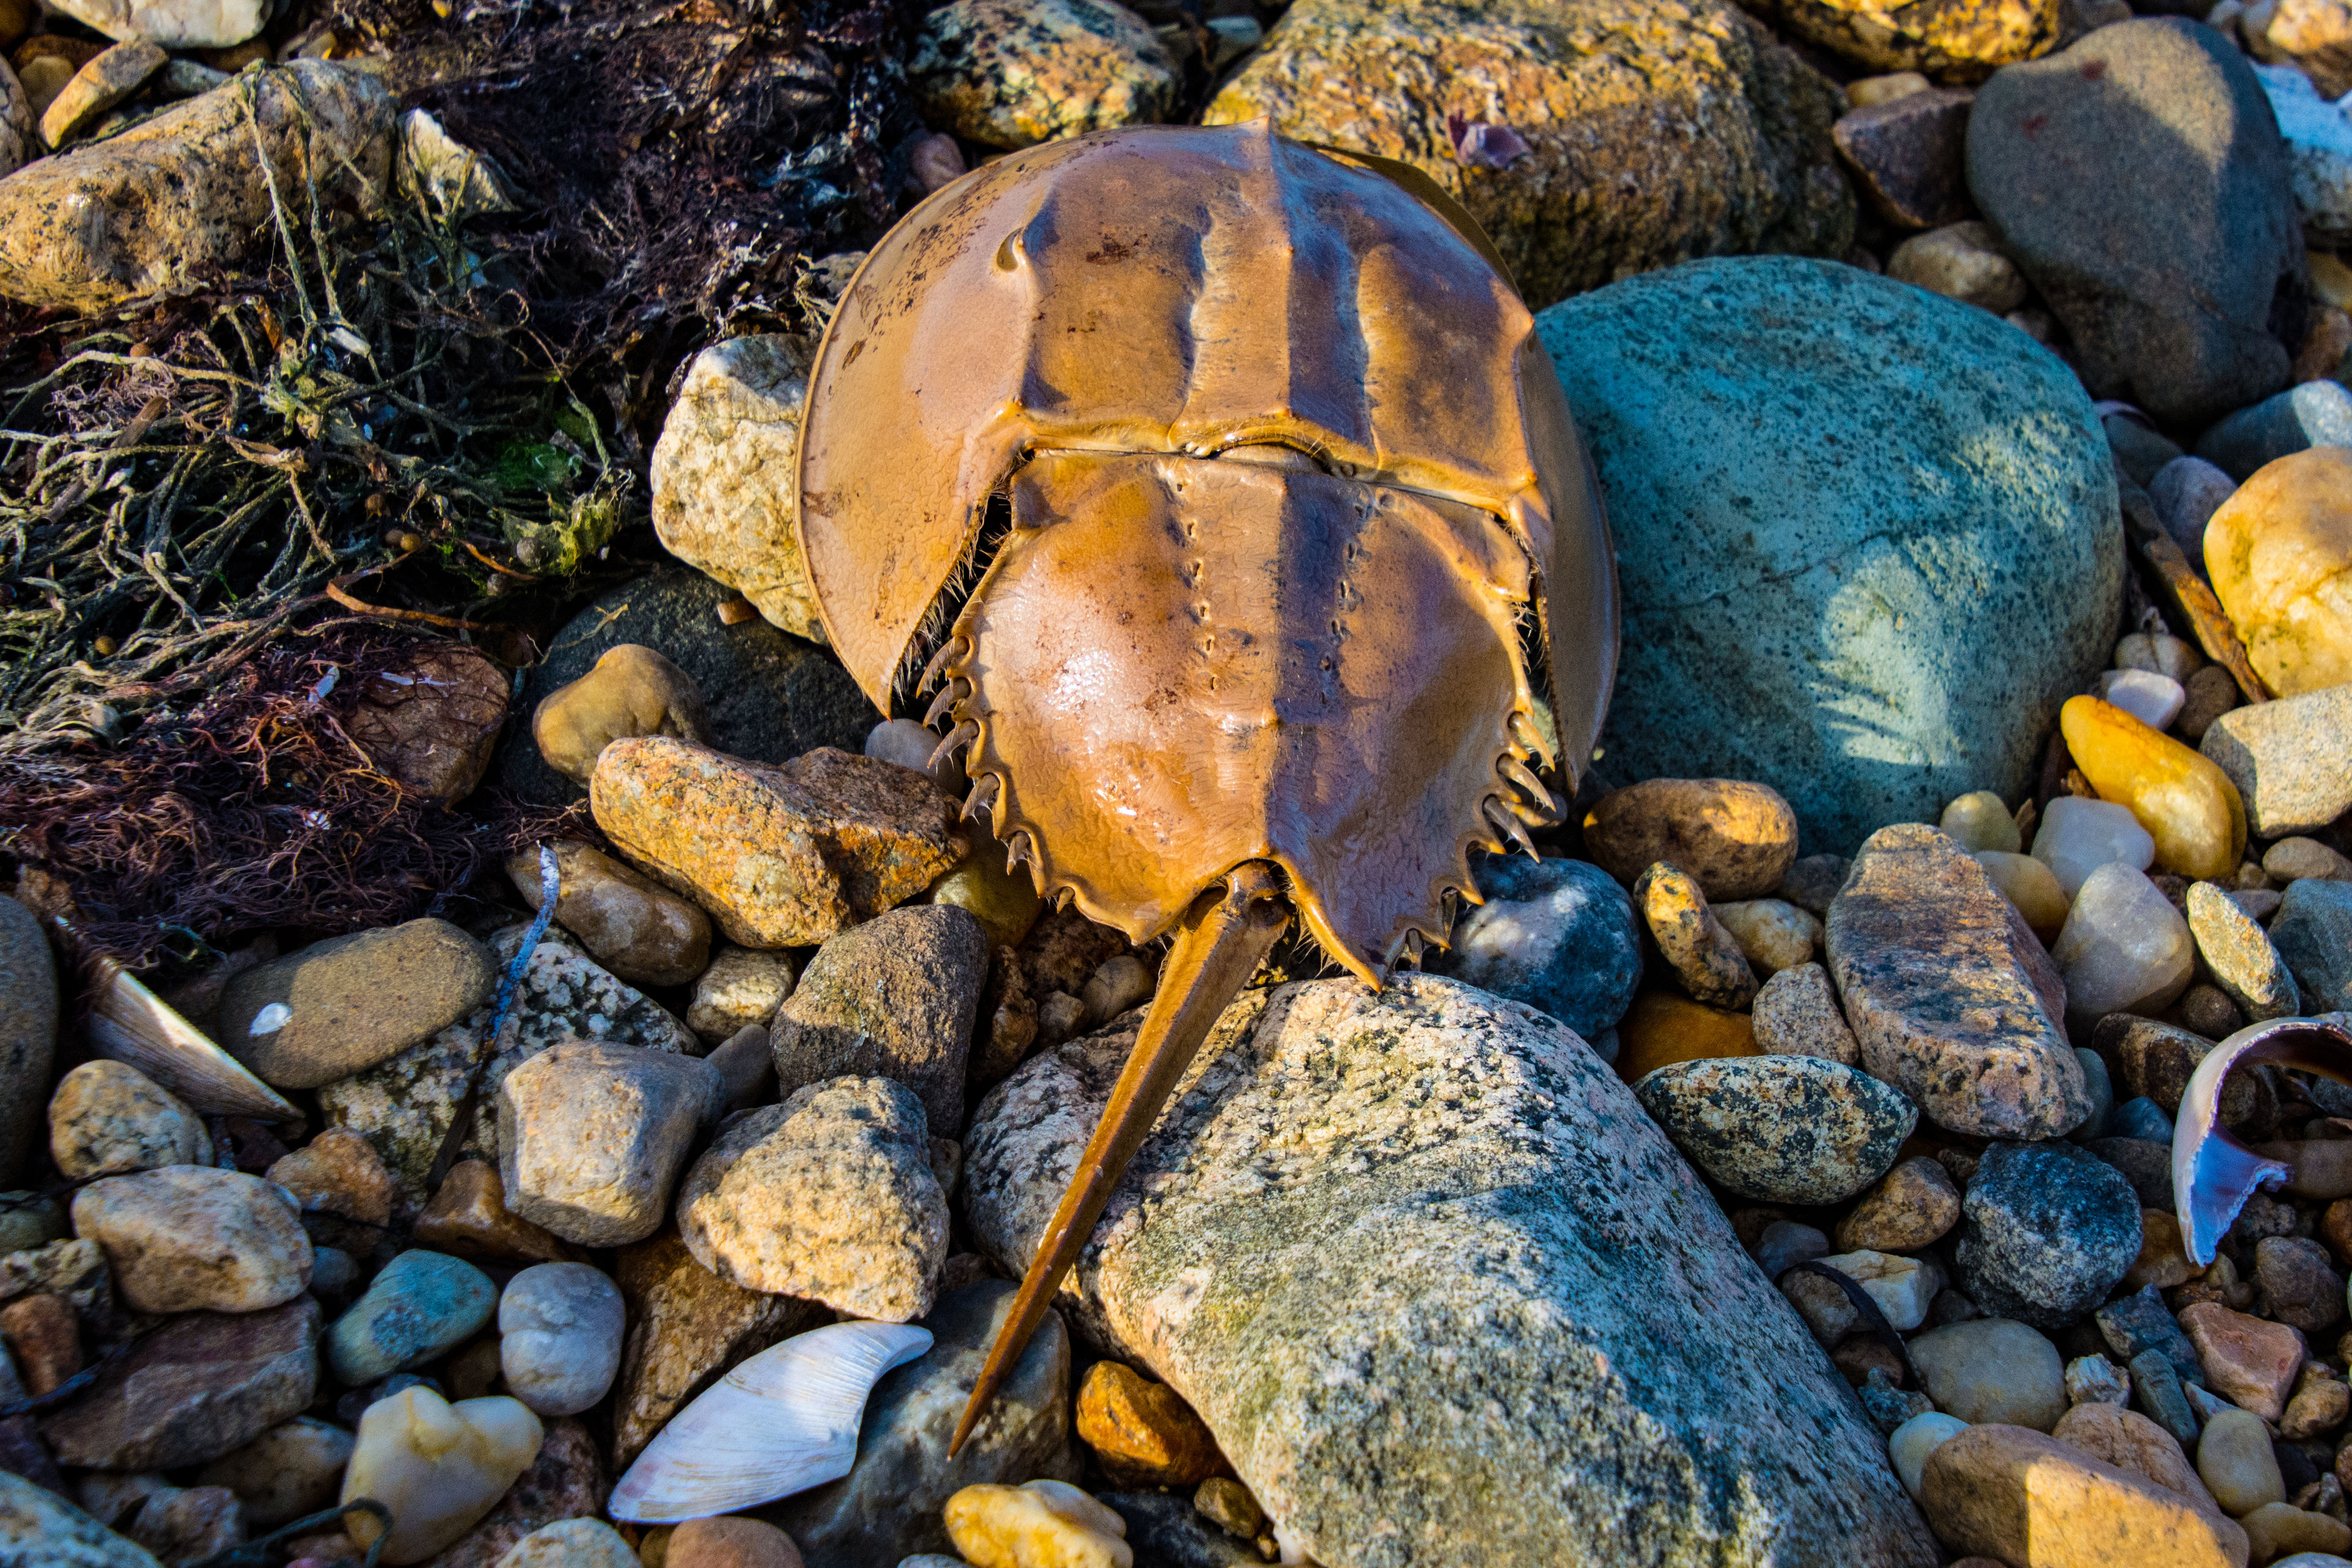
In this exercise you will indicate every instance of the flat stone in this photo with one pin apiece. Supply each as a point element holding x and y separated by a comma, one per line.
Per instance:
<point>1780,1128</point>
<point>173,23</point>
<point>632,925</point>
<point>1906,156</point>
<point>1797,1014</point>
<point>2286,759</point>
<point>889,1506</point>
<point>1706,960</point>
<point>894,997</point>
<point>36,1526</point>
<point>29,1034</point>
<point>2244,1359</point>
<point>829,1196</point>
<point>2136,1324</point>
<point>631,691</point>
<point>2313,931</point>
<point>1012,75</point>
<point>780,857</point>
<point>742,987</point>
<point>1910,1208</point>
<point>194,1238</point>
<point>1777,440</point>
<point>1454,1129</point>
<point>1737,840</point>
<point>1715,137</point>
<point>341,1006</point>
<point>1992,1369</point>
<point>1558,935</point>
<point>2019,1497</point>
<point>423,1305</point>
<point>2046,1231</point>
<point>1951,997</point>
<point>592,1138</point>
<point>2239,957</point>
<point>197,1388</point>
<point>2138,179</point>
<point>112,76</point>
<point>108,1119</point>
<point>290,1471</point>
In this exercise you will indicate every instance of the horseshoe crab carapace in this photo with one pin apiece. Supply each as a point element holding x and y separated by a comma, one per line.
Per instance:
<point>1280,545</point>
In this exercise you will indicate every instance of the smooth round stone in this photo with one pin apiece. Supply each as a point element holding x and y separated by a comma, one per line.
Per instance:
<point>1980,821</point>
<point>2315,414</point>
<point>1900,1286</point>
<point>1992,1369</point>
<point>438,1467</point>
<point>2030,885</point>
<point>631,924</point>
<point>631,691</point>
<point>1558,935</point>
<point>1786,1243</point>
<point>2154,700</point>
<point>2124,949</point>
<point>2280,554</point>
<point>2276,1529</point>
<point>423,1305</point>
<point>1797,1014</point>
<point>560,1327</point>
<point>1912,1442</point>
<point>196,1238</point>
<point>2182,798</point>
<point>2212,692</point>
<point>571,1543</point>
<point>2047,1230</point>
<point>2234,1460</point>
<point>732,1541</point>
<point>2078,837</point>
<point>2160,653</point>
<point>108,1118</point>
<point>2141,1117</point>
<point>2102,1091</point>
<point>1662,1028</point>
<point>285,1473</point>
<point>1044,1522</point>
<point>29,1220</point>
<point>1911,1207</point>
<point>2186,492</point>
<point>1780,1128</point>
<point>2297,858</point>
<point>1774,935</point>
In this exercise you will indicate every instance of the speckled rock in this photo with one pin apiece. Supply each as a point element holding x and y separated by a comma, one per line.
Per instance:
<point>2047,1230</point>
<point>1780,1128</point>
<point>780,857</point>
<point>198,1387</point>
<point>1797,1014</point>
<point>39,1527</point>
<point>895,998</point>
<point>196,1238</point>
<point>742,987</point>
<point>1951,997</point>
<point>2239,957</point>
<point>639,931</point>
<point>1738,840</point>
<point>1813,577</point>
<point>1651,137</point>
<point>567,1480</point>
<point>109,1118</point>
<point>591,1137</point>
<point>829,1196</point>
<point>1324,1131</point>
<point>1910,1208</point>
<point>1011,73</point>
<point>341,1006</point>
<point>2287,760</point>
<point>1949,40</point>
<point>2313,931</point>
<point>1557,935</point>
<point>422,1305</point>
<point>1706,961</point>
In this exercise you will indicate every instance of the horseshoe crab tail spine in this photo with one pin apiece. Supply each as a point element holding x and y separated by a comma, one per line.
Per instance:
<point>1218,947</point>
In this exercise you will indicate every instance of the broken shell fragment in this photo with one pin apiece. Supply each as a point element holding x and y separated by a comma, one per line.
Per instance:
<point>129,1022</point>
<point>781,1423</point>
<point>2213,1175</point>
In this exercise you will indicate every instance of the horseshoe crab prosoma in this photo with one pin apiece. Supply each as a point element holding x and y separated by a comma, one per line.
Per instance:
<point>1221,483</point>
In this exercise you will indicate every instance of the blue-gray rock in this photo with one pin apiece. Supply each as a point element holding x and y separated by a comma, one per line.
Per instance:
<point>2313,931</point>
<point>36,1526</point>
<point>1841,504</point>
<point>1780,1128</point>
<point>2140,1324</point>
<point>2138,180</point>
<point>29,1034</point>
<point>2046,1231</point>
<point>2141,450</point>
<point>422,1304</point>
<point>2102,1090</point>
<point>2157,1391</point>
<point>2143,1119</point>
<point>2317,413</point>
<point>1639,1383</point>
<point>2287,759</point>
<point>1558,935</point>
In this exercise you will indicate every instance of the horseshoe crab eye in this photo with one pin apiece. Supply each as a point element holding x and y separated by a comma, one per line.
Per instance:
<point>1272,455</point>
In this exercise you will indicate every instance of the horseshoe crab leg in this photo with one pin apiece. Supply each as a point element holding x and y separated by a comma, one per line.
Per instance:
<point>2213,1175</point>
<point>1218,947</point>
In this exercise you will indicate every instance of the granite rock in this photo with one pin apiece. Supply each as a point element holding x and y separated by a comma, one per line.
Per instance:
<point>2046,1231</point>
<point>591,1137</point>
<point>637,929</point>
<point>421,1306</point>
<point>2313,931</point>
<point>1780,1128</point>
<point>108,1119</point>
<point>1007,74</point>
<point>894,997</point>
<point>1907,153</point>
<point>1797,1014</point>
<point>2287,760</point>
<point>196,1238</point>
<point>39,1527</point>
<point>1951,40</point>
<point>2238,954</point>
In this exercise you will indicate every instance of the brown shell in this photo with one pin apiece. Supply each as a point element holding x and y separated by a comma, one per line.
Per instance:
<point>1180,661</point>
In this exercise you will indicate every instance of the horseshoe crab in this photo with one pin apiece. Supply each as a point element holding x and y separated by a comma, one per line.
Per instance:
<point>1221,487</point>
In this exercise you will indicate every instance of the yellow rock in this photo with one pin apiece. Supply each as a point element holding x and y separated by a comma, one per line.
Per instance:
<point>1045,1524</point>
<point>1142,1432</point>
<point>438,1467</point>
<point>2280,1529</point>
<point>1005,902</point>
<point>2032,1502</point>
<point>1661,1028</point>
<point>2030,885</point>
<point>2184,800</point>
<point>2280,554</point>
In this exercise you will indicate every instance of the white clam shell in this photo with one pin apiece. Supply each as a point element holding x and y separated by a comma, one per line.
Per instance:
<point>781,1423</point>
<point>129,1022</point>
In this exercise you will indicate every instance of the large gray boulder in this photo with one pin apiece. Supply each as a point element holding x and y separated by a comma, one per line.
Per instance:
<point>1444,1293</point>
<point>1867,537</point>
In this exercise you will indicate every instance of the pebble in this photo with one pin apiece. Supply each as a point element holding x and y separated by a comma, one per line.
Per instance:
<point>829,1197</point>
<point>2136,1445</point>
<point>2187,491</point>
<point>2032,887</point>
<point>2095,1380</point>
<point>2276,1529</point>
<point>2318,414</point>
<point>1558,935</point>
<point>1906,155</point>
<point>2319,1405</point>
<point>1780,1128</point>
<point>1226,1504</point>
<point>1911,1443</point>
<point>193,1239</point>
<point>1888,1406</point>
<point>567,1480</point>
<point>1031,1526</point>
<point>2163,1261</point>
<point>2157,1060</point>
<point>292,1469</point>
<point>1142,1432</point>
<point>742,987</point>
<point>1116,984</point>
<point>2124,949</point>
<point>1963,261</point>
<point>2135,1324</point>
<point>1952,999</point>
<point>1737,840</point>
<point>2046,1231</point>
<point>2286,758</point>
<point>438,1467</point>
<point>1706,960</point>
<point>2313,932</point>
<point>1661,1028</point>
<point>1797,1014</point>
<point>631,924</point>
<point>2154,700</point>
<point>1813,881</point>
<point>2020,1497</point>
<point>2304,1288</point>
<point>29,1220</point>
<point>2294,859</point>
<point>197,1388</point>
<point>1992,1369</point>
<point>108,1118</point>
<point>1864,92</point>
<point>340,1006</point>
<point>1901,1286</point>
<point>2162,1397</point>
<point>2233,1457</point>
<point>2239,956</point>
<point>2102,1092</point>
<point>591,1137</point>
<point>2245,1359</point>
<point>423,1305</point>
<point>109,78</point>
<point>730,1542</point>
<point>2078,835</point>
<point>339,1174</point>
<point>560,1328</point>
<point>572,1543</point>
<point>2278,553</point>
<point>896,998</point>
<point>1003,898</point>
<point>1774,935</point>
<point>1980,821</point>
<point>783,856</point>
<point>2212,691</point>
<point>1784,1243</point>
<point>1011,75</point>
<point>468,1217</point>
<point>2160,652</point>
<point>2188,804</point>
<point>632,690</point>
<point>1910,1208</point>
<point>43,1339</point>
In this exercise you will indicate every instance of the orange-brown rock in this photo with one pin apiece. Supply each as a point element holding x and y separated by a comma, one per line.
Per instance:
<point>432,721</point>
<point>1661,1028</point>
<point>1143,1432</point>
<point>1736,839</point>
<point>2130,1441</point>
<point>468,1217</point>
<point>780,857</point>
<point>2280,554</point>
<point>688,1326</point>
<point>337,1173</point>
<point>2032,1502</point>
<point>1703,956</point>
<point>2246,1358</point>
<point>628,922</point>
<point>2184,799</point>
<point>631,691</point>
